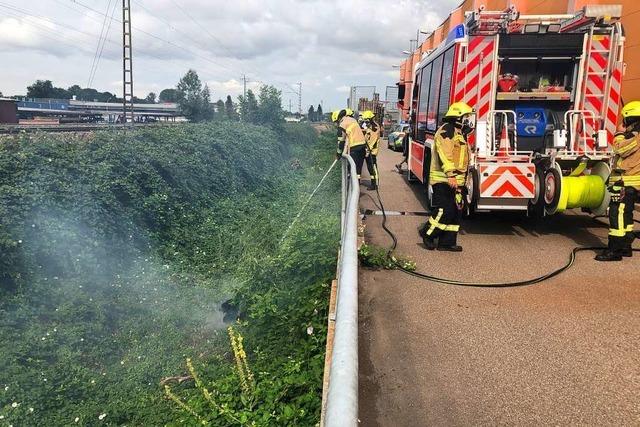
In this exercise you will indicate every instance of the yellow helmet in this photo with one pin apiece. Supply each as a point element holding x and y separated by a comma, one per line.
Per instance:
<point>632,109</point>
<point>334,115</point>
<point>349,112</point>
<point>459,109</point>
<point>368,115</point>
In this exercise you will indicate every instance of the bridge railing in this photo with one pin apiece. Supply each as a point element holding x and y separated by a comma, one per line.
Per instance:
<point>342,397</point>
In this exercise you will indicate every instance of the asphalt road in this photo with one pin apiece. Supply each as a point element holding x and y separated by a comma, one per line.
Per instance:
<point>563,352</point>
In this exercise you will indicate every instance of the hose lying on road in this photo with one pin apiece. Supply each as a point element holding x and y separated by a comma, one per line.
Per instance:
<point>527,282</point>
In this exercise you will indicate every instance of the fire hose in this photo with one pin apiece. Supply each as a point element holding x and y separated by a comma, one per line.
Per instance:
<point>527,282</point>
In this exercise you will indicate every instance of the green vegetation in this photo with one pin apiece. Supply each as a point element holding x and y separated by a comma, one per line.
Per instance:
<point>375,257</point>
<point>117,252</point>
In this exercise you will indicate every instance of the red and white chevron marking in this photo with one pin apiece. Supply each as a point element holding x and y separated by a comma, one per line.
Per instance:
<point>611,120</point>
<point>507,180</point>
<point>473,79</point>
<point>595,95</point>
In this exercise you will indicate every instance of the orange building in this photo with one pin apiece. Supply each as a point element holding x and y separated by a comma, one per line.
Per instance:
<point>630,16</point>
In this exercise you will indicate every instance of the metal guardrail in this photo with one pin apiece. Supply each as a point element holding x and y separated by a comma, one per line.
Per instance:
<point>342,397</point>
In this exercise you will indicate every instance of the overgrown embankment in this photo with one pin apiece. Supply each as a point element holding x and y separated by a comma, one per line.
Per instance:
<point>116,252</point>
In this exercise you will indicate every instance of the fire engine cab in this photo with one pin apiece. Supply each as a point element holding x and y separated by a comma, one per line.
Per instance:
<point>546,92</point>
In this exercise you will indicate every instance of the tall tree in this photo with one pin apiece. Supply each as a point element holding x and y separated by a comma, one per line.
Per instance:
<point>220,113</point>
<point>230,109</point>
<point>311,116</point>
<point>168,95</point>
<point>151,98</point>
<point>319,114</point>
<point>270,106</point>
<point>193,99</point>
<point>248,107</point>
<point>207,106</point>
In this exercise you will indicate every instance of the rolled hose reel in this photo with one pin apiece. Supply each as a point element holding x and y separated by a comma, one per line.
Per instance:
<point>585,192</point>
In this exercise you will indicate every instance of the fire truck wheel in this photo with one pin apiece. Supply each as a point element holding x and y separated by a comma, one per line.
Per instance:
<point>537,204</point>
<point>552,188</point>
<point>473,192</point>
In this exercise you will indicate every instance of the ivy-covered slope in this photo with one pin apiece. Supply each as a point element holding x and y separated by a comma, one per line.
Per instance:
<point>116,251</point>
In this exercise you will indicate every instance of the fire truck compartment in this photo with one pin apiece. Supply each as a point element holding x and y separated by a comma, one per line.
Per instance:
<point>538,45</point>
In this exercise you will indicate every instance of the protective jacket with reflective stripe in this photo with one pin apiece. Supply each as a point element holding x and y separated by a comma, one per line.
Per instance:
<point>626,147</point>
<point>372,135</point>
<point>349,130</point>
<point>449,155</point>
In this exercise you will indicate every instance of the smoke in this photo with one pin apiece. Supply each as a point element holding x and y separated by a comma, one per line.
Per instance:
<point>101,319</point>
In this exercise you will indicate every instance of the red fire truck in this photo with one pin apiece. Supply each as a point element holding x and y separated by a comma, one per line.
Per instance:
<point>546,91</point>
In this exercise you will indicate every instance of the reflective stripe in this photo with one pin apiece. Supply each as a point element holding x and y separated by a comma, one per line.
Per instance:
<point>627,148</point>
<point>436,177</point>
<point>630,180</point>
<point>435,223</point>
<point>621,231</point>
<point>454,228</point>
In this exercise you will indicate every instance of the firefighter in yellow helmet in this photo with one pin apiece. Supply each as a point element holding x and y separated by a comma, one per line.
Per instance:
<point>449,162</point>
<point>624,185</point>
<point>372,136</point>
<point>350,138</point>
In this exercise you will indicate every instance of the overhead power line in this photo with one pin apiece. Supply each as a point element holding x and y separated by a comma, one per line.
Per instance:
<point>98,45</point>
<point>106,35</point>
<point>154,36</point>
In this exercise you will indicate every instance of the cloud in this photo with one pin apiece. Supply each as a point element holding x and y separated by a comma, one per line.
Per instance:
<point>328,45</point>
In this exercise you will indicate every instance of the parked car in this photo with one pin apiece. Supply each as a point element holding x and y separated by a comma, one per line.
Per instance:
<point>394,141</point>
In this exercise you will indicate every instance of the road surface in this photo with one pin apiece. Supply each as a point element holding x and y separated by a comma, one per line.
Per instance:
<point>563,352</point>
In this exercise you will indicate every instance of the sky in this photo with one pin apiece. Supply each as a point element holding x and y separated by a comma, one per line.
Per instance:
<point>325,44</point>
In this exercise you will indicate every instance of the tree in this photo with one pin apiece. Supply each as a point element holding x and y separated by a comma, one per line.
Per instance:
<point>207,107</point>
<point>168,95</point>
<point>319,114</point>
<point>193,99</point>
<point>248,107</point>
<point>270,106</point>
<point>151,98</point>
<point>40,89</point>
<point>312,114</point>
<point>230,109</point>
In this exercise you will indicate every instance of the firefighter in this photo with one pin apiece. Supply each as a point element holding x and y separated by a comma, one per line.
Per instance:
<point>351,136</point>
<point>372,136</point>
<point>449,162</point>
<point>624,185</point>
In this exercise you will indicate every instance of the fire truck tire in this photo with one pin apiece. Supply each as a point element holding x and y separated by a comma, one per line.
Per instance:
<point>472,194</point>
<point>552,189</point>
<point>537,204</point>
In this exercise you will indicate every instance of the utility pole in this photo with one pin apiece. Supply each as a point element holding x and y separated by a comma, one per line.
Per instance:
<point>127,64</point>
<point>290,106</point>
<point>300,98</point>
